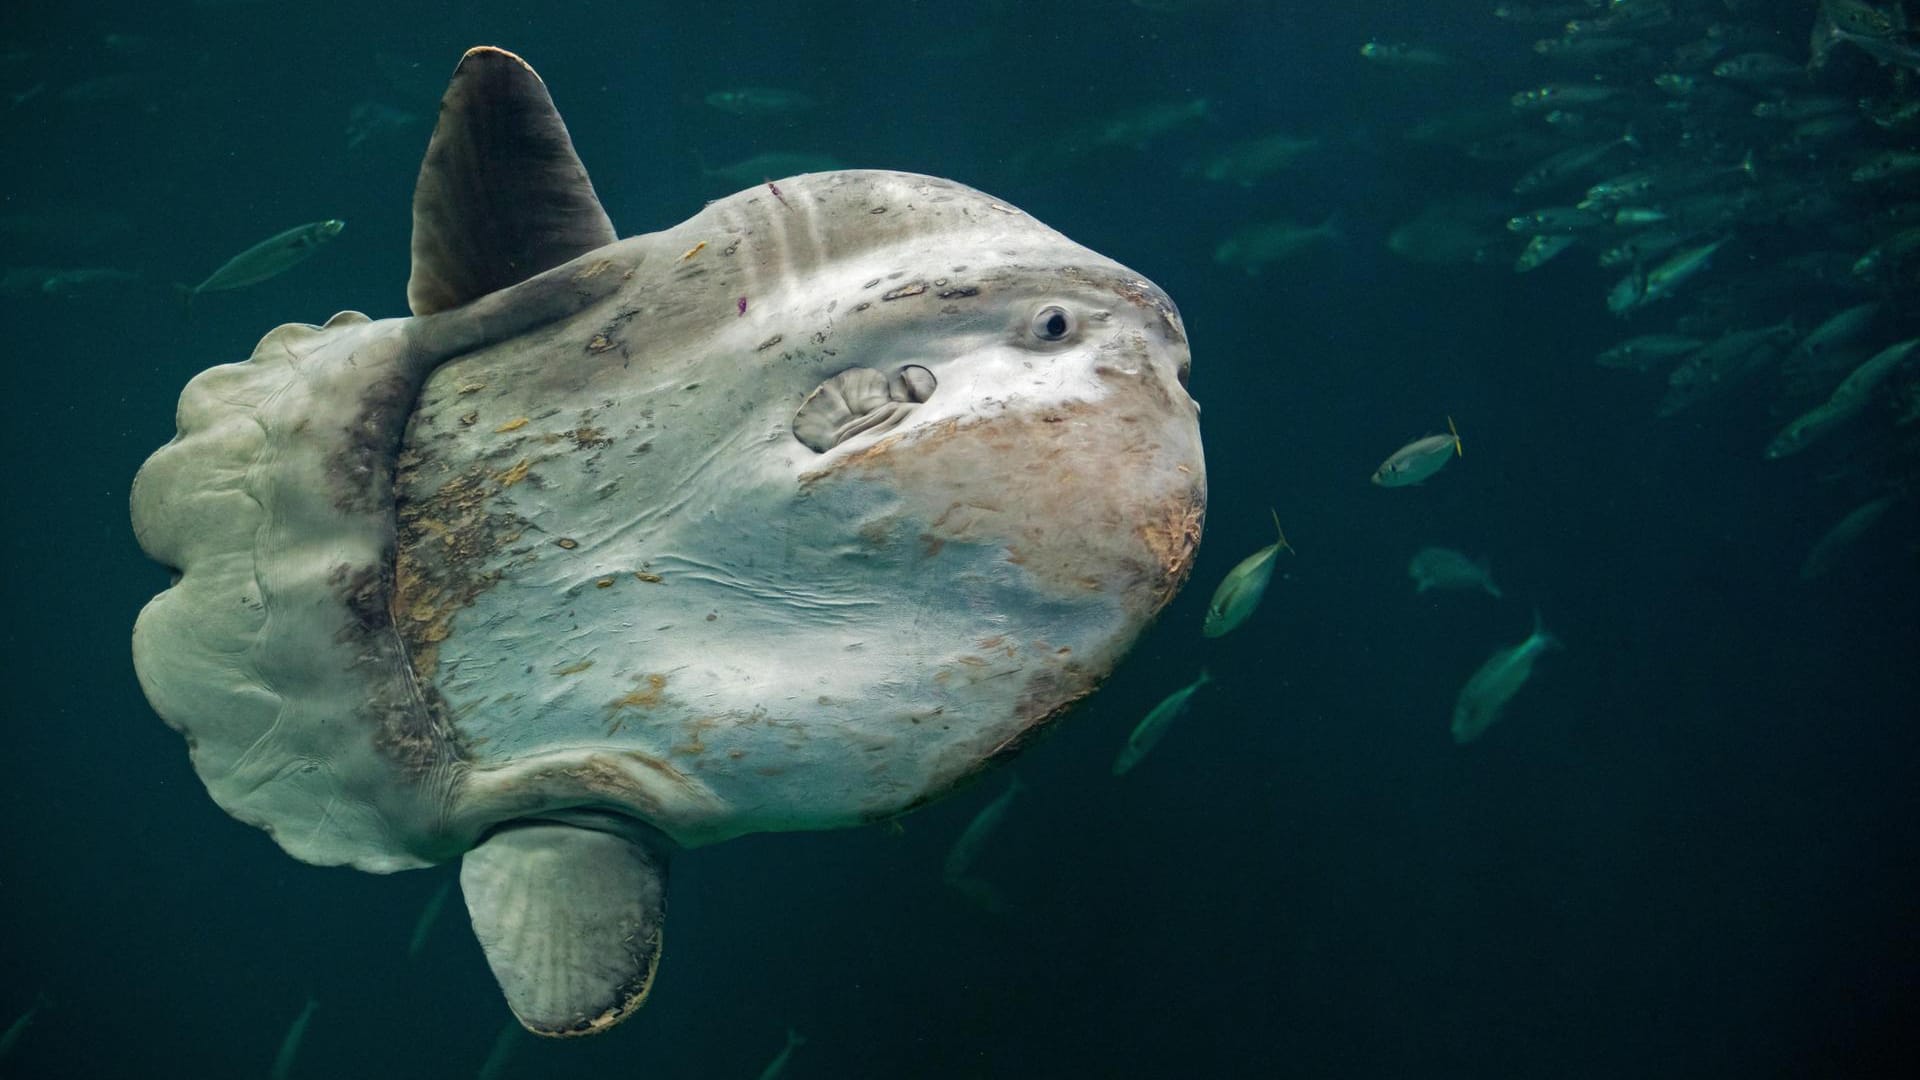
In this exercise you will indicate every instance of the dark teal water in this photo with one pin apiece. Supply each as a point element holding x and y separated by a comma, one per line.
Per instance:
<point>1688,850</point>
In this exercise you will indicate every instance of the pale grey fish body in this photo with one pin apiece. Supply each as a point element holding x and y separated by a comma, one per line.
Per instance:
<point>1416,461</point>
<point>1844,534</point>
<point>1141,126</point>
<point>1722,365</point>
<point>1670,275</point>
<point>1847,401</point>
<point>966,850</point>
<point>1255,246</point>
<point>778,1066</point>
<point>501,1052</point>
<point>1400,54</point>
<point>1641,246</point>
<point>1840,329</point>
<point>1486,694</point>
<point>11,1037</point>
<point>1240,591</point>
<point>272,256</point>
<point>1148,731</point>
<point>1540,250</point>
<point>1445,568</point>
<point>1565,165</point>
<point>1643,352</point>
<point>1247,162</point>
<point>290,1046</point>
<point>429,915</point>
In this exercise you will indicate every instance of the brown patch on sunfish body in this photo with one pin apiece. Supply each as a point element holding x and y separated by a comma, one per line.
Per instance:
<point>1061,491</point>
<point>645,698</point>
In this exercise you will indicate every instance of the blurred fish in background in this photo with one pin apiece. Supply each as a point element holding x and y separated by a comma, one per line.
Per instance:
<point>1741,183</point>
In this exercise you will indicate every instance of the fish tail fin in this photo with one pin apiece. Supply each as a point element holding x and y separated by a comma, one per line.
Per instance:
<point>1015,784</point>
<point>185,293</point>
<point>1747,167</point>
<point>1285,545</point>
<point>794,1038</point>
<point>1205,678</point>
<point>1458,450</point>
<point>1541,634</point>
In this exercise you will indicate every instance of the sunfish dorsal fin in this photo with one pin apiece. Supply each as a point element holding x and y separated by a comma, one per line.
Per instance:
<point>501,195</point>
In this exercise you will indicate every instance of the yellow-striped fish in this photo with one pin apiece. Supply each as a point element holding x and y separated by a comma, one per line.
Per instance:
<point>1240,591</point>
<point>1419,459</point>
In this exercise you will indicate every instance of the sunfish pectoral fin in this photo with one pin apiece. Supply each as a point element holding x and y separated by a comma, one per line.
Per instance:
<point>501,195</point>
<point>570,919</point>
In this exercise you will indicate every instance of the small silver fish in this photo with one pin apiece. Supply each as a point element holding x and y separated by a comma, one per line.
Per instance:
<point>1486,694</point>
<point>1149,730</point>
<point>429,915</point>
<point>1641,353</point>
<point>966,850</point>
<point>1240,591</point>
<point>1846,532</point>
<point>1419,459</point>
<point>1400,54</point>
<point>1539,250</point>
<point>1257,246</point>
<point>270,257</point>
<point>290,1045</point>
<point>17,1029</point>
<point>501,1052</point>
<point>1445,568</point>
<point>778,1066</point>
<point>1847,401</point>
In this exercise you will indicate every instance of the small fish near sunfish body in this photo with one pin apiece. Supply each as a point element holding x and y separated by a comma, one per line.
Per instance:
<point>966,850</point>
<point>1486,694</point>
<point>429,915</point>
<point>270,257</point>
<point>1255,247</point>
<point>505,1041</point>
<point>1445,568</point>
<point>778,1066</point>
<point>290,1045</point>
<point>1240,591</point>
<point>1419,459</point>
<point>1148,732</point>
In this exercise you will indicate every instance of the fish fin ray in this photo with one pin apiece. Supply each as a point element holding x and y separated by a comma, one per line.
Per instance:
<point>480,226</point>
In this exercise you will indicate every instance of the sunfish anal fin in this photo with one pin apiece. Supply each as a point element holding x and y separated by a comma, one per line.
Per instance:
<point>501,195</point>
<point>570,919</point>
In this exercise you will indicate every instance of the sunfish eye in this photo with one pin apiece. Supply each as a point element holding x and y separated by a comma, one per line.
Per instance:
<point>1051,323</point>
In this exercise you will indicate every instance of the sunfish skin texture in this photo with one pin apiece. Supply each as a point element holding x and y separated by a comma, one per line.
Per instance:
<point>793,516</point>
<point>771,615</point>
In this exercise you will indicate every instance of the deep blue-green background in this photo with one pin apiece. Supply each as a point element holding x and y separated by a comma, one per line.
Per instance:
<point>1688,851</point>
